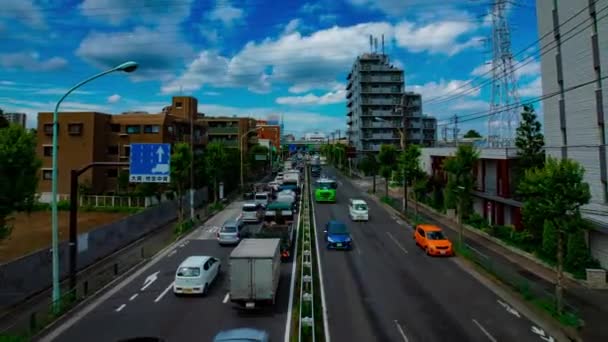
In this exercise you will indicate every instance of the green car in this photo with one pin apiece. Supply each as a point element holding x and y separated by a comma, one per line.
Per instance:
<point>325,190</point>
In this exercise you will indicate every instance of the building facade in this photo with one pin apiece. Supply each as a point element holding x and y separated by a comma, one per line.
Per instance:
<point>419,129</point>
<point>271,133</point>
<point>494,185</point>
<point>16,118</point>
<point>374,93</point>
<point>231,131</point>
<point>575,118</point>
<point>87,137</point>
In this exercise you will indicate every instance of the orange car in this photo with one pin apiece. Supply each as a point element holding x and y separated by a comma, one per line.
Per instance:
<point>432,240</point>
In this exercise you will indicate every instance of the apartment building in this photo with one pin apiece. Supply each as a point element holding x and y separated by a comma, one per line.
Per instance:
<point>272,133</point>
<point>231,131</point>
<point>494,185</point>
<point>16,118</point>
<point>419,129</point>
<point>575,118</point>
<point>87,137</point>
<point>374,93</point>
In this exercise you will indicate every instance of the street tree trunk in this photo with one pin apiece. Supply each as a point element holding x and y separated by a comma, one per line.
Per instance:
<point>560,271</point>
<point>374,183</point>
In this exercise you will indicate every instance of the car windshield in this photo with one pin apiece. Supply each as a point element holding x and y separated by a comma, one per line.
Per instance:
<point>338,229</point>
<point>228,229</point>
<point>188,272</point>
<point>249,208</point>
<point>435,235</point>
<point>326,185</point>
<point>261,197</point>
<point>360,207</point>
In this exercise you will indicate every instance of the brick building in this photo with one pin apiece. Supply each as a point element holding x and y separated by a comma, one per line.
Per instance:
<point>229,130</point>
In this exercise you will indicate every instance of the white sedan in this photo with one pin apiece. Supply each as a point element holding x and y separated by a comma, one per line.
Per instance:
<point>196,274</point>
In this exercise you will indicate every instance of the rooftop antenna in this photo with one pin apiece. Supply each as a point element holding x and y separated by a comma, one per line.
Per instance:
<point>383,44</point>
<point>371,48</point>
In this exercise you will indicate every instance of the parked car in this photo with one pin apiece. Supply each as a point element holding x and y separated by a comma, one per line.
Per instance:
<point>230,232</point>
<point>242,335</point>
<point>337,236</point>
<point>358,210</point>
<point>431,238</point>
<point>196,274</point>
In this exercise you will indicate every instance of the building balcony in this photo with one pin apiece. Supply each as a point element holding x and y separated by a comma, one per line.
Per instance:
<point>382,79</point>
<point>382,90</point>
<point>383,136</point>
<point>349,112</point>
<point>381,102</point>
<point>381,125</point>
<point>373,113</point>
<point>222,130</point>
<point>232,143</point>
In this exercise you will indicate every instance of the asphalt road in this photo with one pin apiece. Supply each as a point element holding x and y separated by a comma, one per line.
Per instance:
<point>154,311</point>
<point>387,289</point>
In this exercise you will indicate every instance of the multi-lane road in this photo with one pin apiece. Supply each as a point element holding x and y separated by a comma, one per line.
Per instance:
<point>144,305</point>
<point>386,289</point>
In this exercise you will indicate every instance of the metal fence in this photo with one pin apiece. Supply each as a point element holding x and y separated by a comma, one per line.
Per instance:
<point>98,201</point>
<point>307,304</point>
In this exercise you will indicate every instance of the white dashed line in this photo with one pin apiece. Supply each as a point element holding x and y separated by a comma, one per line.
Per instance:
<point>172,253</point>
<point>163,293</point>
<point>133,297</point>
<point>400,328</point>
<point>397,242</point>
<point>226,298</point>
<point>120,308</point>
<point>490,337</point>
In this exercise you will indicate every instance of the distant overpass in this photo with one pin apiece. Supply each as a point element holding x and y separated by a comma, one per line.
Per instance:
<point>303,145</point>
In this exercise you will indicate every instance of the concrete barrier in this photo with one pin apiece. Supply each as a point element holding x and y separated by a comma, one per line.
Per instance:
<point>32,273</point>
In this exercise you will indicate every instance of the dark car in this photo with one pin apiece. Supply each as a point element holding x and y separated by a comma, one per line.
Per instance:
<point>337,236</point>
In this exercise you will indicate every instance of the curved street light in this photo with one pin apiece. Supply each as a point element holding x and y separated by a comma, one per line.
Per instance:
<point>129,66</point>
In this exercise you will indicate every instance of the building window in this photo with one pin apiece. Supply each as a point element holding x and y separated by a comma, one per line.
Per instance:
<point>48,129</point>
<point>75,129</point>
<point>178,105</point>
<point>112,173</point>
<point>47,174</point>
<point>115,128</point>
<point>133,129</point>
<point>151,129</point>
<point>127,151</point>
<point>113,150</point>
<point>48,150</point>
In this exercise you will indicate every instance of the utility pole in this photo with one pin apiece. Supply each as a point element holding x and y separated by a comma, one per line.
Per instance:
<point>455,133</point>
<point>192,117</point>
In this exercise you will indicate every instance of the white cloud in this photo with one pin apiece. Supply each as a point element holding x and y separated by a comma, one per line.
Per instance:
<point>310,7</point>
<point>212,93</point>
<point>114,98</point>
<point>469,104</point>
<point>400,7</point>
<point>523,68</point>
<point>311,61</point>
<point>312,99</point>
<point>532,89</point>
<point>211,35</point>
<point>225,12</point>
<point>157,51</point>
<point>438,37</point>
<point>26,11</point>
<point>292,26</point>
<point>436,89</point>
<point>117,12</point>
<point>30,62</point>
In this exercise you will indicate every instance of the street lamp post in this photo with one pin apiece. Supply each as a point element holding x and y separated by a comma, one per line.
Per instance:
<point>126,67</point>
<point>241,148</point>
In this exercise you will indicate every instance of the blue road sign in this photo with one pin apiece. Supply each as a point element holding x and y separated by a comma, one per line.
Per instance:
<point>150,163</point>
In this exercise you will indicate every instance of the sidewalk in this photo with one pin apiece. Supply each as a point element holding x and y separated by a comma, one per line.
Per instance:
<point>592,305</point>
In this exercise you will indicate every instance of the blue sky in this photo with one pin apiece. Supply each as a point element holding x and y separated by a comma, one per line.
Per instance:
<point>250,57</point>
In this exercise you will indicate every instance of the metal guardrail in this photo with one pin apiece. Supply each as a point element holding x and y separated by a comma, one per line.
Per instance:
<point>307,309</point>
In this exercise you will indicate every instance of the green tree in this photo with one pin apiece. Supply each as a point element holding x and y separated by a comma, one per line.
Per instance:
<point>123,182</point>
<point>557,191</point>
<point>409,167</point>
<point>258,165</point>
<point>370,167</point>
<point>472,134</point>
<point>215,162</point>
<point>3,122</point>
<point>529,140</point>
<point>18,173</point>
<point>461,182</point>
<point>388,160</point>
<point>181,160</point>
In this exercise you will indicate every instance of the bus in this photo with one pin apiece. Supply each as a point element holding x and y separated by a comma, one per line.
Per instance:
<point>325,190</point>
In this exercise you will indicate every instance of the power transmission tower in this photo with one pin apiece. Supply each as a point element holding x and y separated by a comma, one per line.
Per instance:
<point>505,102</point>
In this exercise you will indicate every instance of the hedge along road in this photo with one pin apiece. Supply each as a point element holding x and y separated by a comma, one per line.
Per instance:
<point>387,289</point>
<point>144,305</point>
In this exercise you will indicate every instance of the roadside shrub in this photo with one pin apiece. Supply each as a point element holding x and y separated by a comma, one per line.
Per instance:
<point>549,245</point>
<point>477,221</point>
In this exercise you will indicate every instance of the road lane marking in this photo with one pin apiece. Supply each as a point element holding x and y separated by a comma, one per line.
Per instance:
<point>226,298</point>
<point>400,328</point>
<point>541,333</point>
<point>397,242</point>
<point>293,279</point>
<point>150,279</point>
<point>133,297</point>
<point>508,308</point>
<point>163,293</point>
<point>172,253</point>
<point>490,337</point>
<point>119,309</point>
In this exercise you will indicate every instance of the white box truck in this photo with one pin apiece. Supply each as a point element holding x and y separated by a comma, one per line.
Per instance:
<point>255,269</point>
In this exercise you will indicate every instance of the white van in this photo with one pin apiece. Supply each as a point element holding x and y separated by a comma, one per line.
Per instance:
<point>358,210</point>
<point>196,274</point>
<point>250,212</point>
<point>261,198</point>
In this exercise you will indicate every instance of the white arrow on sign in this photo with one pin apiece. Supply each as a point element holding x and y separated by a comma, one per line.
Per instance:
<point>150,279</point>
<point>508,308</point>
<point>541,333</point>
<point>160,152</point>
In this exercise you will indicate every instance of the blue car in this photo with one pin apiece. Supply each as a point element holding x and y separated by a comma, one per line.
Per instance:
<point>242,335</point>
<point>337,236</point>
